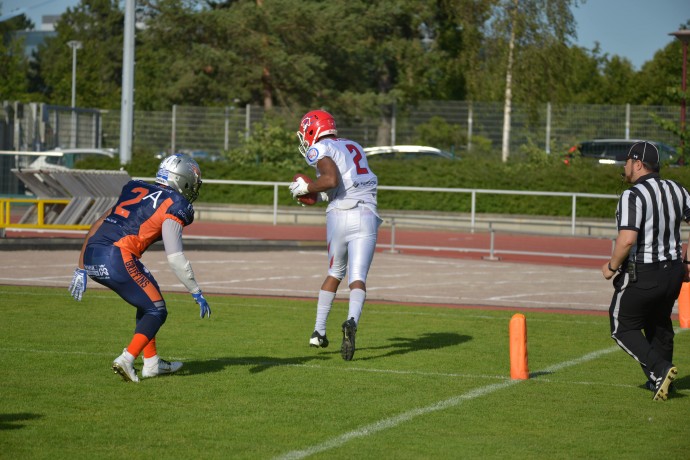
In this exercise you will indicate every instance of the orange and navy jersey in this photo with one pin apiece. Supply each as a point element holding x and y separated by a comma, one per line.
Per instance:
<point>136,220</point>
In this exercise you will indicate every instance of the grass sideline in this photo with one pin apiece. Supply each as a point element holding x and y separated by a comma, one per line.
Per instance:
<point>425,383</point>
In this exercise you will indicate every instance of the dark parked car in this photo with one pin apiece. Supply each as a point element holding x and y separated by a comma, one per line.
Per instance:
<point>615,151</point>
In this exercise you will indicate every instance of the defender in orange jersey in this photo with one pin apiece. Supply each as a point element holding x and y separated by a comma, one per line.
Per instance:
<point>144,213</point>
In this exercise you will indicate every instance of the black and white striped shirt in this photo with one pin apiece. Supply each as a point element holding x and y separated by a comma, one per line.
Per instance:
<point>654,207</point>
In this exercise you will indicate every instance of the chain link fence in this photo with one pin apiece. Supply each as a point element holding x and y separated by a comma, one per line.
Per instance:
<point>212,130</point>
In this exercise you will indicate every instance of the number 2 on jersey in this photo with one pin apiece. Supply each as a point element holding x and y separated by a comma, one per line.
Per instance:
<point>141,195</point>
<point>357,158</point>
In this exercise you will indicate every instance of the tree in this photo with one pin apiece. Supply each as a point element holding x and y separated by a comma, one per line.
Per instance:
<point>460,27</point>
<point>98,24</point>
<point>533,31</point>
<point>237,50</point>
<point>379,57</point>
<point>659,80</point>
<point>13,62</point>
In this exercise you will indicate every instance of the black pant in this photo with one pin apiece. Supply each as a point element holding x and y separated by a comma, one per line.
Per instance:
<point>640,314</point>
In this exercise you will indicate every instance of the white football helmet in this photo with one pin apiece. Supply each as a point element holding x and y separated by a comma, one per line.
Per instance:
<point>181,173</point>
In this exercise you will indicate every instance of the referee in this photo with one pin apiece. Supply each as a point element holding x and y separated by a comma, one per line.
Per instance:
<point>648,265</point>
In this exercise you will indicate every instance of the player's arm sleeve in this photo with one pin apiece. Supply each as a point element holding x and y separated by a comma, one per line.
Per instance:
<point>172,240</point>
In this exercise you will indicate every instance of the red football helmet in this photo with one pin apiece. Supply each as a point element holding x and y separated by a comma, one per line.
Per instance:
<point>315,125</point>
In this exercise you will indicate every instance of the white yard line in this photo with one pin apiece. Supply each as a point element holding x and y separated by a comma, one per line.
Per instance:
<point>454,401</point>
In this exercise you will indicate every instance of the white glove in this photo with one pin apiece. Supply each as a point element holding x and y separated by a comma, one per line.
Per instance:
<point>299,188</point>
<point>322,196</point>
<point>78,284</point>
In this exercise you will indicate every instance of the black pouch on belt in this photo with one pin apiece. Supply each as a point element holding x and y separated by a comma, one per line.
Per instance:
<point>632,269</point>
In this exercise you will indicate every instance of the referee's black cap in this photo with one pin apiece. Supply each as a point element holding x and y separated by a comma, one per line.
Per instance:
<point>644,151</point>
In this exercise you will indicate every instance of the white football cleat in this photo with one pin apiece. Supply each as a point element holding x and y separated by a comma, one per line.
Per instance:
<point>123,366</point>
<point>155,367</point>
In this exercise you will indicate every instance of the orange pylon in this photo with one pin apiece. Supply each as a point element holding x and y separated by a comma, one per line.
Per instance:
<point>519,370</point>
<point>684,306</point>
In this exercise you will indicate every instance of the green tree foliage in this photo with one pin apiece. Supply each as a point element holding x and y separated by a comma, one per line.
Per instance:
<point>232,52</point>
<point>98,25</point>
<point>13,62</point>
<point>358,58</point>
<point>273,144</point>
<point>543,31</point>
<point>659,80</point>
<point>441,134</point>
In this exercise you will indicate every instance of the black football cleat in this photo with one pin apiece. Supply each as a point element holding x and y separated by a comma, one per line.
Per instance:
<point>347,349</point>
<point>318,341</point>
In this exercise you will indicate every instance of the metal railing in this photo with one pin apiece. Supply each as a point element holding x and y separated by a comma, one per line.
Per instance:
<point>42,209</point>
<point>393,219</point>
<point>491,253</point>
<point>473,193</point>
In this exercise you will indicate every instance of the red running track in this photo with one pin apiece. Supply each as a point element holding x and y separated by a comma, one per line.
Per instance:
<point>445,243</point>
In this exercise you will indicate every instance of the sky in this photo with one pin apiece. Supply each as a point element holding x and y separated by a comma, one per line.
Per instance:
<point>634,29</point>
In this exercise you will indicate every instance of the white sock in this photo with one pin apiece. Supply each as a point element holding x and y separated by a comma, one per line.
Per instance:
<point>151,362</point>
<point>323,308</point>
<point>357,297</point>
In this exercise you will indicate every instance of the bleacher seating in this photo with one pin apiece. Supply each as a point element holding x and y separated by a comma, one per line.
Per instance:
<point>90,192</point>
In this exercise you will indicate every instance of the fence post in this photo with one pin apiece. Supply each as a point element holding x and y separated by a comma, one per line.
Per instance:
<point>226,134</point>
<point>572,224</point>
<point>547,148</point>
<point>474,209</point>
<point>172,134</point>
<point>393,120</point>
<point>469,127</point>
<point>627,121</point>
<point>492,234</point>
<point>392,250</point>
<point>275,204</point>
<point>247,121</point>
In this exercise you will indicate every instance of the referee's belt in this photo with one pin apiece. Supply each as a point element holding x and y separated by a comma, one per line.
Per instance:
<point>653,266</point>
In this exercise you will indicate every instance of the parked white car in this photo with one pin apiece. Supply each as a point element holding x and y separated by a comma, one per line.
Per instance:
<point>407,151</point>
<point>66,158</point>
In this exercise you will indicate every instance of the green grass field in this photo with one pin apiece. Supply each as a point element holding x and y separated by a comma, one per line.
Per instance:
<point>425,383</point>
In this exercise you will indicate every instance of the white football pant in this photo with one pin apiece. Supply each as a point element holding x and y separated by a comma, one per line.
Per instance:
<point>351,236</point>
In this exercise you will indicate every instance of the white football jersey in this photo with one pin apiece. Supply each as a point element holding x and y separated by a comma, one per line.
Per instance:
<point>358,183</point>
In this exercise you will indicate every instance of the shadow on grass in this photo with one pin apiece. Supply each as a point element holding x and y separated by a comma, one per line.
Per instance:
<point>11,421</point>
<point>256,363</point>
<point>428,341</point>
<point>682,383</point>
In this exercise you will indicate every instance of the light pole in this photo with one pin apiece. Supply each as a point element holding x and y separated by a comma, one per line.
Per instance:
<point>684,36</point>
<point>75,45</point>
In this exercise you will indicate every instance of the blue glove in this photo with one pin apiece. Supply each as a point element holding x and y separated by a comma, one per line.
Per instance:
<point>204,309</point>
<point>78,285</point>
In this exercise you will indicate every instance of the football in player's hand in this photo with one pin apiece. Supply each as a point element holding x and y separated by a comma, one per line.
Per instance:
<point>310,198</point>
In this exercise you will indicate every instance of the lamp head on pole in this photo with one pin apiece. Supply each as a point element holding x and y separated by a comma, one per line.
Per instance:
<point>683,35</point>
<point>74,44</point>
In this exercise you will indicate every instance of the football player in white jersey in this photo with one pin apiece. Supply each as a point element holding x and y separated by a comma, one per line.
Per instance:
<point>345,180</point>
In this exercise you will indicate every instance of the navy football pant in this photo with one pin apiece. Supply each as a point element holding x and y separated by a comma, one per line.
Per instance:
<point>122,272</point>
